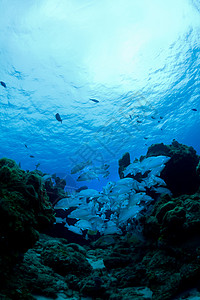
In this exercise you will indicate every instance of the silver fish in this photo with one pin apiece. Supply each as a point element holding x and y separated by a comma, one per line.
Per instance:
<point>80,167</point>
<point>101,170</point>
<point>106,174</point>
<point>87,176</point>
<point>89,193</point>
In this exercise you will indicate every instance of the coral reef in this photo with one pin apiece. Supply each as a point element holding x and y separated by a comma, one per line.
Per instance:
<point>180,172</point>
<point>124,268</point>
<point>155,256</point>
<point>55,191</point>
<point>66,259</point>
<point>24,211</point>
<point>175,220</point>
<point>173,229</point>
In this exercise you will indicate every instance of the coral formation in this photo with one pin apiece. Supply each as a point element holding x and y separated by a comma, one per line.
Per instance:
<point>65,259</point>
<point>55,190</point>
<point>24,211</point>
<point>180,173</point>
<point>156,256</point>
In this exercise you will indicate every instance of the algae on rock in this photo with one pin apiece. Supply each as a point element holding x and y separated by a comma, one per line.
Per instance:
<point>24,210</point>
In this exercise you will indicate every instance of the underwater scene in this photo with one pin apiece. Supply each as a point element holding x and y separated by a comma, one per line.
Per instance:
<point>100,150</point>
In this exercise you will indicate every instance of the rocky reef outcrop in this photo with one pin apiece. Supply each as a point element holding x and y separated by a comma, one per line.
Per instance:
<point>55,191</point>
<point>181,172</point>
<point>52,266</point>
<point>123,163</point>
<point>173,230</point>
<point>24,211</point>
<point>157,258</point>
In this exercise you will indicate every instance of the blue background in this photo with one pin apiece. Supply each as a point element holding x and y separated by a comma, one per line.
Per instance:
<point>139,59</point>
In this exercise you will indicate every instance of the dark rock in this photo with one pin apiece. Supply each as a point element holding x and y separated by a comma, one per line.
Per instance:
<point>32,277</point>
<point>105,241</point>
<point>116,261</point>
<point>77,248</point>
<point>151,228</point>
<point>174,219</point>
<point>94,288</point>
<point>123,163</point>
<point>55,192</point>
<point>64,259</point>
<point>141,293</point>
<point>180,172</point>
<point>158,149</point>
<point>24,210</point>
<point>163,209</point>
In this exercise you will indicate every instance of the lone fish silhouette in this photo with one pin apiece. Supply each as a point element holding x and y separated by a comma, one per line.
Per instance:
<point>94,100</point>
<point>58,117</point>
<point>3,84</point>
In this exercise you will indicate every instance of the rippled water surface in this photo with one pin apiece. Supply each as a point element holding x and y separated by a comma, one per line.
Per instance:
<point>139,59</point>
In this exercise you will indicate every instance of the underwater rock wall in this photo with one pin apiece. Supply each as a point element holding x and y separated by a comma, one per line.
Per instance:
<point>123,163</point>
<point>55,190</point>
<point>181,171</point>
<point>24,211</point>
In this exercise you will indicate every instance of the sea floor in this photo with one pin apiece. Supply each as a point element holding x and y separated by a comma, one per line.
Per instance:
<point>104,270</point>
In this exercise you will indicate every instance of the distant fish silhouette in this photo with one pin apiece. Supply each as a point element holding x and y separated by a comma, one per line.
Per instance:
<point>107,173</point>
<point>36,166</point>
<point>80,166</point>
<point>58,117</point>
<point>87,176</point>
<point>161,117</point>
<point>130,117</point>
<point>101,170</point>
<point>153,117</point>
<point>82,188</point>
<point>32,156</point>
<point>25,145</point>
<point>3,84</point>
<point>194,109</point>
<point>138,121</point>
<point>94,100</point>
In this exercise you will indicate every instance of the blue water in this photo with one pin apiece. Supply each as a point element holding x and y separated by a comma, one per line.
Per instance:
<point>139,59</point>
